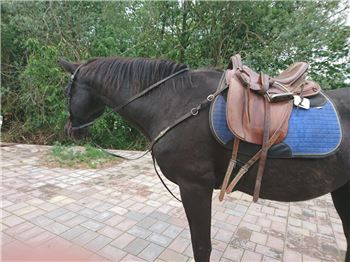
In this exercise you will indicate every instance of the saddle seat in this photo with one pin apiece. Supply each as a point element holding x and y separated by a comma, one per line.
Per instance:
<point>258,110</point>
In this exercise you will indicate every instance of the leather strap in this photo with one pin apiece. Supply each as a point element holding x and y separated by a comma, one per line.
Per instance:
<point>265,147</point>
<point>244,169</point>
<point>231,166</point>
<point>148,89</point>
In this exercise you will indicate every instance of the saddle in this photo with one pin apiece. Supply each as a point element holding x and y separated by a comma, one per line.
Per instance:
<point>258,110</point>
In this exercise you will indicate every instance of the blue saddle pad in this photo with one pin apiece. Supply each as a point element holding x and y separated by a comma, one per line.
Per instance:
<point>315,132</point>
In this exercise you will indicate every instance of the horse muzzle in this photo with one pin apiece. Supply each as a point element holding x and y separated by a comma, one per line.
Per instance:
<point>75,134</point>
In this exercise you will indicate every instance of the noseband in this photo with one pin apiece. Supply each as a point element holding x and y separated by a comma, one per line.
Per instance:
<point>118,108</point>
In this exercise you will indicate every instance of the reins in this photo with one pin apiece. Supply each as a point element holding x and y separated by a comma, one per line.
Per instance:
<point>193,112</point>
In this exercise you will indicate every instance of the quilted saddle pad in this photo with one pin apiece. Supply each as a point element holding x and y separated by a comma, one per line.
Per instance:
<point>315,132</point>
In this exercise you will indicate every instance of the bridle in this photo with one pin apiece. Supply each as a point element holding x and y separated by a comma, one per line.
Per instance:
<point>193,112</point>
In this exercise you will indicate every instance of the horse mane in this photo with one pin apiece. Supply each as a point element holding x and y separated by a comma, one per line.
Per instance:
<point>135,74</point>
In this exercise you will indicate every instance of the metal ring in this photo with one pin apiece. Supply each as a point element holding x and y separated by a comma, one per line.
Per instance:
<point>194,111</point>
<point>210,97</point>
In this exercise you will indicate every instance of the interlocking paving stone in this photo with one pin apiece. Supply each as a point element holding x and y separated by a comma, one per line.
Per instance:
<point>169,255</point>
<point>136,246</point>
<point>139,232</point>
<point>110,232</point>
<point>123,240</point>
<point>12,220</point>
<point>151,252</point>
<point>98,243</point>
<point>73,232</point>
<point>92,225</point>
<point>159,239</point>
<point>159,226</point>
<point>85,237</point>
<point>56,213</point>
<point>56,228</point>
<point>147,222</point>
<point>14,231</point>
<point>172,231</point>
<point>100,214</point>
<point>112,253</point>
<point>103,216</point>
<point>87,212</point>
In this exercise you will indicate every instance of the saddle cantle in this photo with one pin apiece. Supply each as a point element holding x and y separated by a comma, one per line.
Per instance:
<point>258,110</point>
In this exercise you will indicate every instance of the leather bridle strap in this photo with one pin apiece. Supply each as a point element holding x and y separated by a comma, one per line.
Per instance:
<point>148,89</point>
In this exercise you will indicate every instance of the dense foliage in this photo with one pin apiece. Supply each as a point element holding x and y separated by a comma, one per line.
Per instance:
<point>269,35</point>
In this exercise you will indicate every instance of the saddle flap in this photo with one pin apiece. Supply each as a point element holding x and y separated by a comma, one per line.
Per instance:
<point>246,112</point>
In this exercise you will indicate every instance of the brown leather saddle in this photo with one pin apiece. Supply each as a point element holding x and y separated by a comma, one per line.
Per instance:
<point>258,110</point>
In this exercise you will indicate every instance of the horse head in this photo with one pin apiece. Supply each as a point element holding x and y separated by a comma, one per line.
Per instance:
<point>84,105</point>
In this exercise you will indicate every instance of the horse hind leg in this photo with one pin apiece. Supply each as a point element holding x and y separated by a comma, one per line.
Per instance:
<point>341,200</point>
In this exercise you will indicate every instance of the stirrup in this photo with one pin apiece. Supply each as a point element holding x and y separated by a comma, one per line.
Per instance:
<point>273,98</point>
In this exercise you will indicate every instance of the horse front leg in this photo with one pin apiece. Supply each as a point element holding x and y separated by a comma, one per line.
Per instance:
<point>197,203</point>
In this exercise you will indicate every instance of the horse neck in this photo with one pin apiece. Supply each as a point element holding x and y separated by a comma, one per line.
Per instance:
<point>154,112</point>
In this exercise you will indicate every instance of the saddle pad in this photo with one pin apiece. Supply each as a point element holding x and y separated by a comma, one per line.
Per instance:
<point>315,132</point>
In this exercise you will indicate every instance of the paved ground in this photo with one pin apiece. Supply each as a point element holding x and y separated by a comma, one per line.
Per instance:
<point>123,213</point>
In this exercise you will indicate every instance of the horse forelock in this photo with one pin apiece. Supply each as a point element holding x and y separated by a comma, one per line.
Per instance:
<point>134,74</point>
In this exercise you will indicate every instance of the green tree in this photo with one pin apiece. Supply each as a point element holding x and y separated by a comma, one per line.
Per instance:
<point>269,35</point>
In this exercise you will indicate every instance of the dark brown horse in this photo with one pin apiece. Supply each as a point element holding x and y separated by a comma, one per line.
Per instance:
<point>188,155</point>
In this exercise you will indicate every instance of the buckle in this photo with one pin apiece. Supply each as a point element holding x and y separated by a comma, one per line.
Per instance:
<point>194,111</point>
<point>210,97</point>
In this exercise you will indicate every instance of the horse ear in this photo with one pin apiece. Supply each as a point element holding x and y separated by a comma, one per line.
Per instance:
<point>68,66</point>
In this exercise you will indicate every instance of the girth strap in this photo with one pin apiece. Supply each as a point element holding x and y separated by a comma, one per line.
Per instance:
<point>264,148</point>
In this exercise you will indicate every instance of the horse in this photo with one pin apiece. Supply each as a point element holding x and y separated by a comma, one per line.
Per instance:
<point>186,152</point>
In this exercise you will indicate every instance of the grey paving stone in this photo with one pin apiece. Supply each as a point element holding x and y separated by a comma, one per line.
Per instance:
<point>159,226</point>
<point>112,253</point>
<point>170,255</point>
<point>98,243</point>
<point>41,221</point>
<point>139,232</point>
<point>172,231</point>
<point>77,220</point>
<point>136,246</point>
<point>67,216</point>
<point>138,216</point>
<point>85,237</point>
<point>56,228</point>
<point>103,216</point>
<point>73,232</point>
<point>15,230</point>
<point>160,216</point>
<point>56,213</point>
<point>110,232</point>
<point>147,222</point>
<point>151,252</point>
<point>30,233</point>
<point>159,239</point>
<point>92,225</point>
<point>87,212</point>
